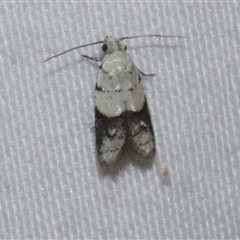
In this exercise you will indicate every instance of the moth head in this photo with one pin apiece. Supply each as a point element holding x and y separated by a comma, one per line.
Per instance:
<point>111,44</point>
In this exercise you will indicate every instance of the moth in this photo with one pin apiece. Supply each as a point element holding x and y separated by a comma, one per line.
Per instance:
<point>121,110</point>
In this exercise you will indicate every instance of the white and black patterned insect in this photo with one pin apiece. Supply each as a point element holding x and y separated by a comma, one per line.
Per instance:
<point>121,111</point>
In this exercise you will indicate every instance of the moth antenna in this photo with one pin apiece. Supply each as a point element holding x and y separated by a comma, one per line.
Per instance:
<point>73,49</point>
<point>151,35</point>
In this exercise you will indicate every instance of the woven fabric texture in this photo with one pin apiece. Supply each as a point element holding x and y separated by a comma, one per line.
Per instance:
<point>51,186</point>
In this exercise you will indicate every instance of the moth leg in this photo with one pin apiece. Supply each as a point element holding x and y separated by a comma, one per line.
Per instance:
<point>91,58</point>
<point>110,137</point>
<point>141,132</point>
<point>146,74</point>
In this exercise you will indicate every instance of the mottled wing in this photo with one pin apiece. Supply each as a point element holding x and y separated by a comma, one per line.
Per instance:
<point>110,137</point>
<point>141,132</point>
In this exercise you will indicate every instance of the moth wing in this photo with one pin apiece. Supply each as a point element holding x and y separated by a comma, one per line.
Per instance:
<point>141,132</point>
<point>110,137</point>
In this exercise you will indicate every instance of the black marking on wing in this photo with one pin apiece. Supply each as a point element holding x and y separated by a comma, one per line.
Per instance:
<point>100,89</point>
<point>128,125</point>
<point>112,129</point>
<point>139,123</point>
<point>131,89</point>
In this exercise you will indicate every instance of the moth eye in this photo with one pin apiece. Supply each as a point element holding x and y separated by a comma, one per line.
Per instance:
<point>104,47</point>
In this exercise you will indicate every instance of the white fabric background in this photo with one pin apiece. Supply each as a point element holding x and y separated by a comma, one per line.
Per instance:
<point>50,183</point>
